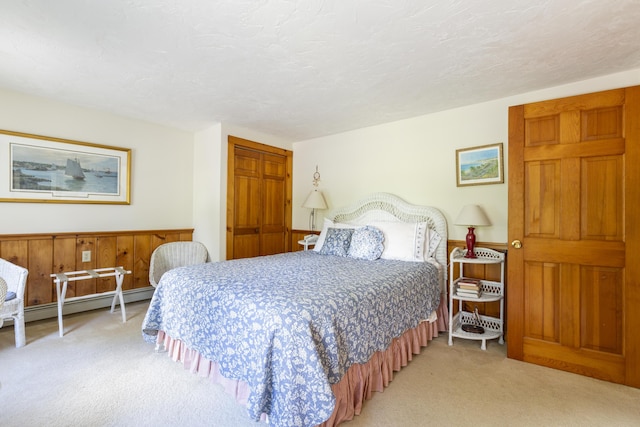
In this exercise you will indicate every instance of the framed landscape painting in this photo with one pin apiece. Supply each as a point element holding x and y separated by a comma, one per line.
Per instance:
<point>37,168</point>
<point>479,165</point>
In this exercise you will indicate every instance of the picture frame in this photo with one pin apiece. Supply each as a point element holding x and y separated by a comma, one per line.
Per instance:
<point>480,165</point>
<point>42,169</point>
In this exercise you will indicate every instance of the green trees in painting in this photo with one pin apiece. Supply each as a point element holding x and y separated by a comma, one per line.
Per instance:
<point>481,170</point>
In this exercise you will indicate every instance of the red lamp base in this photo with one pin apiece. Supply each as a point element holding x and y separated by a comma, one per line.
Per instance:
<point>471,242</point>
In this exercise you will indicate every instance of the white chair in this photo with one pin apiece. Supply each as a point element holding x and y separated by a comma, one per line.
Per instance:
<point>16,280</point>
<point>175,254</point>
<point>3,291</point>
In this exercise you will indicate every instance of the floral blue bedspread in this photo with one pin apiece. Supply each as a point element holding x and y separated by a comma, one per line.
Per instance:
<point>290,325</point>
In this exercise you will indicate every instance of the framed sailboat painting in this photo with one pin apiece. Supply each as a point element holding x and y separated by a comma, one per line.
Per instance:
<point>46,169</point>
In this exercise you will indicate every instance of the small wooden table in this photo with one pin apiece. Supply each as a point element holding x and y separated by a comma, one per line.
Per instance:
<point>71,276</point>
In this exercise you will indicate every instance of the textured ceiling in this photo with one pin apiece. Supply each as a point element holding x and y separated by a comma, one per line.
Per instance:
<point>308,68</point>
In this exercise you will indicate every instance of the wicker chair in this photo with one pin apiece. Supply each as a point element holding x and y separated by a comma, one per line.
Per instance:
<point>172,255</point>
<point>3,291</point>
<point>16,280</point>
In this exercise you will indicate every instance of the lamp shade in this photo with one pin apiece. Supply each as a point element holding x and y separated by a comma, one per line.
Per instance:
<point>472,215</point>
<point>315,200</point>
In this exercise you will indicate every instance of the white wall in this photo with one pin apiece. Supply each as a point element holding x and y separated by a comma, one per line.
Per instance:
<point>208,194</point>
<point>415,158</point>
<point>161,173</point>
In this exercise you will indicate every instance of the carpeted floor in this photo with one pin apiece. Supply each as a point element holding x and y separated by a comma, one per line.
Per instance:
<point>101,373</point>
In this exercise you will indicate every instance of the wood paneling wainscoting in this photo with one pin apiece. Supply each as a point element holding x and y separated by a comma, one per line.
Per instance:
<point>46,254</point>
<point>482,271</point>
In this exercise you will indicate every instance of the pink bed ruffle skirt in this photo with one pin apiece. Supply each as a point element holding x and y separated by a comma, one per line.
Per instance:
<point>358,384</point>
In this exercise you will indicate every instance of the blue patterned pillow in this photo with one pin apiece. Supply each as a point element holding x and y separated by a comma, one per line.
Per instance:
<point>366,243</point>
<point>337,241</point>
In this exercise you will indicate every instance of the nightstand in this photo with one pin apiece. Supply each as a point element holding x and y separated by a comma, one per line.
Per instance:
<point>493,327</point>
<point>306,244</point>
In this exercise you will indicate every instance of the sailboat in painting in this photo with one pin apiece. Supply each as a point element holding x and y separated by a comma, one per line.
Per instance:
<point>74,169</point>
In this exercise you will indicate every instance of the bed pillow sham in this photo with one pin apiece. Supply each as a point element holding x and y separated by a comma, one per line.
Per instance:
<point>433,240</point>
<point>366,243</point>
<point>337,241</point>
<point>404,241</point>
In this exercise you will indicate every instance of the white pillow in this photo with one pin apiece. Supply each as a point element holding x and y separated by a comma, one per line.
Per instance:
<point>323,234</point>
<point>404,241</point>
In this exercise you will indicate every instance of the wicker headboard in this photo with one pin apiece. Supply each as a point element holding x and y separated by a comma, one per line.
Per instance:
<point>388,207</point>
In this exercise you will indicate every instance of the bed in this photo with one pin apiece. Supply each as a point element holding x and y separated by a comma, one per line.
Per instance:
<point>303,338</point>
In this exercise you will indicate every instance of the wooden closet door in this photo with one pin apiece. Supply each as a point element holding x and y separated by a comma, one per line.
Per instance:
<point>247,204</point>
<point>258,199</point>
<point>274,228</point>
<point>574,198</point>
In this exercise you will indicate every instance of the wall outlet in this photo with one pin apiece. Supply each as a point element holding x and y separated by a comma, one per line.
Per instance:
<point>86,256</point>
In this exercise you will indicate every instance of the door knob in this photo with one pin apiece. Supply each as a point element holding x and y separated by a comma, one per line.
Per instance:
<point>516,244</point>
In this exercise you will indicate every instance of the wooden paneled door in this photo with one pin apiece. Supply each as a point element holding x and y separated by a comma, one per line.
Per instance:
<point>258,199</point>
<point>574,224</point>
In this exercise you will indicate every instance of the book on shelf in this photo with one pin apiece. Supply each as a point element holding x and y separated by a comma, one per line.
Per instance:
<point>469,293</point>
<point>469,281</point>
<point>468,287</point>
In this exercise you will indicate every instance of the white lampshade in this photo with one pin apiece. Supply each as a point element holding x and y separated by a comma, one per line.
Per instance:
<point>315,200</point>
<point>472,215</point>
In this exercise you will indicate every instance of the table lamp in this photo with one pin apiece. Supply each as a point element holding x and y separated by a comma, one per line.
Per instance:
<point>472,216</point>
<point>315,200</point>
